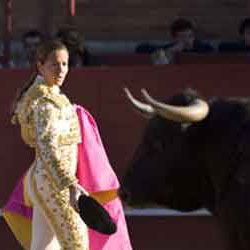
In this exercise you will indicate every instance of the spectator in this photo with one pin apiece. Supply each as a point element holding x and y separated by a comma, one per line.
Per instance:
<point>184,39</point>
<point>79,55</point>
<point>31,40</point>
<point>243,45</point>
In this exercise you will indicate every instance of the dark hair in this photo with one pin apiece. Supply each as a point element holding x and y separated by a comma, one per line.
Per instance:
<point>32,33</point>
<point>71,37</point>
<point>179,25</point>
<point>47,47</point>
<point>74,41</point>
<point>42,53</point>
<point>245,23</point>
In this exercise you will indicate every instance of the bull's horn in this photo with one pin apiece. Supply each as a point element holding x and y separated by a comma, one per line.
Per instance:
<point>195,112</point>
<point>145,109</point>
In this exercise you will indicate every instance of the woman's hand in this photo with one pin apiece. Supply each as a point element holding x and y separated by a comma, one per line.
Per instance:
<point>75,191</point>
<point>160,57</point>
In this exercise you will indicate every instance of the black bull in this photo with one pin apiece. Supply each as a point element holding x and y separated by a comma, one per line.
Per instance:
<point>202,163</point>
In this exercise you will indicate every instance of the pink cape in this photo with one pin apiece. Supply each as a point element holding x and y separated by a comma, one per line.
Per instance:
<point>94,171</point>
<point>95,174</point>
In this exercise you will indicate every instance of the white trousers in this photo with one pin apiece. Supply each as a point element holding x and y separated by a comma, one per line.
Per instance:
<point>55,224</point>
<point>43,237</point>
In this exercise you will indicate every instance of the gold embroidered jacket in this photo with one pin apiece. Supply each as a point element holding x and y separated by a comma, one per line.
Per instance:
<point>49,123</point>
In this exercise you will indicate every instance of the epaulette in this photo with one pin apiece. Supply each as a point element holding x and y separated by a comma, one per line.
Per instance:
<point>43,91</point>
<point>35,93</point>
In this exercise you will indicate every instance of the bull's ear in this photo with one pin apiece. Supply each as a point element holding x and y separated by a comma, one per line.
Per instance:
<point>145,110</point>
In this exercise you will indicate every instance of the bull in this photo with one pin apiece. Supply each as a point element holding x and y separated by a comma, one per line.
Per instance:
<point>194,154</point>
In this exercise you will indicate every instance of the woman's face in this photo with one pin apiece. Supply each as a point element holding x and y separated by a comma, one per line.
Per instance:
<point>185,37</point>
<point>55,68</point>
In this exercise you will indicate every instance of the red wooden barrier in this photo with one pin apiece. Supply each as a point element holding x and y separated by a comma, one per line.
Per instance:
<point>100,90</point>
<point>118,59</point>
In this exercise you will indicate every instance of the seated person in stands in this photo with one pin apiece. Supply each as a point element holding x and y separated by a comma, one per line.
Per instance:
<point>79,56</point>
<point>30,41</point>
<point>240,46</point>
<point>184,40</point>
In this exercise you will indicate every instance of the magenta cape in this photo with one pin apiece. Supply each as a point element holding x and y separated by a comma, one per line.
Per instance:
<point>95,174</point>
